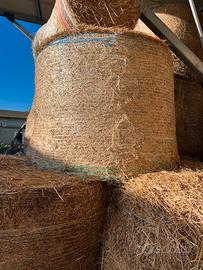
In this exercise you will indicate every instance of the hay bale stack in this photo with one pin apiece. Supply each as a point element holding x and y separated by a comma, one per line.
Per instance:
<point>49,220</point>
<point>189,117</point>
<point>188,92</point>
<point>102,12</point>
<point>156,222</point>
<point>71,16</point>
<point>178,17</point>
<point>104,104</point>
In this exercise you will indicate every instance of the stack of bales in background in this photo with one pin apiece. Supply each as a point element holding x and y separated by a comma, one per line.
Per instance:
<point>188,91</point>
<point>104,101</point>
<point>49,220</point>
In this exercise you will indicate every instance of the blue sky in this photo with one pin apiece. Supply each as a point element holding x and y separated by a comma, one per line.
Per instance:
<point>16,67</point>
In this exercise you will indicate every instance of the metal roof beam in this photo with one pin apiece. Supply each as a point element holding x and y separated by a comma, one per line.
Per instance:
<point>38,9</point>
<point>176,45</point>
<point>11,19</point>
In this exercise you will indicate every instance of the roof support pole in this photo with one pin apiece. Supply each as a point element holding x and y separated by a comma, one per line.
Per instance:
<point>197,21</point>
<point>19,26</point>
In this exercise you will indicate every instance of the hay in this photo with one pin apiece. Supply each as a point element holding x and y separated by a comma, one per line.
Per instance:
<point>49,220</point>
<point>178,17</point>
<point>189,117</point>
<point>39,45</point>
<point>103,13</point>
<point>74,15</point>
<point>104,104</point>
<point>156,222</point>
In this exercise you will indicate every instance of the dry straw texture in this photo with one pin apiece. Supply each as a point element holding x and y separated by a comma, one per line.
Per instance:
<point>71,15</point>
<point>103,13</point>
<point>156,222</point>
<point>49,220</point>
<point>178,17</point>
<point>104,103</point>
<point>189,117</point>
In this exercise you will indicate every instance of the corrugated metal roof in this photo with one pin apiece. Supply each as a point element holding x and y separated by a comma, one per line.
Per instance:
<point>13,114</point>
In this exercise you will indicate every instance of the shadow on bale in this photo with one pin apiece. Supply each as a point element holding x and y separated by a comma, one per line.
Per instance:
<point>105,173</point>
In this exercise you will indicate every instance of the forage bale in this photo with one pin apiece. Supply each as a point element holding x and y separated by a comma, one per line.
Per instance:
<point>189,117</point>
<point>75,15</point>
<point>104,104</point>
<point>156,222</point>
<point>49,220</point>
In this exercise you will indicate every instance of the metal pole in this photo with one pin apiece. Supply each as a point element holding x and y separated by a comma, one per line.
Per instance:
<point>197,21</point>
<point>11,19</point>
<point>22,29</point>
<point>176,45</point>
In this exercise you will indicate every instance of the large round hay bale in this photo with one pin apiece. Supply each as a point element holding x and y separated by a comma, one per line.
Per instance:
<point>123,13</point>
<point>104,104</point>
<point>71,16</point>
<point>178,17</point>
<point>49,220</point>
<point>189,117</point>
<point>156,222</point>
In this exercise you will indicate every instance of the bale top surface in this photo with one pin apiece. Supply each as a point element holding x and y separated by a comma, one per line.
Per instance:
<point>18,173</point>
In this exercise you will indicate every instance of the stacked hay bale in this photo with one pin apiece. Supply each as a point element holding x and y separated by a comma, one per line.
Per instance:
<point>49,220</point>
<point>156,222</point>
<point>70,16</point>
<point>104,101</point>
<point>188,91</point>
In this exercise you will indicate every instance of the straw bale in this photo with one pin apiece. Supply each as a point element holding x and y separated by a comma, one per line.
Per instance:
<point>178,17</point>
<point>156,222</point>
<point>189,117</point>
<point>102,12</point>
<point>71,15</point>
<point>49,220</point>
<point>104,104</point>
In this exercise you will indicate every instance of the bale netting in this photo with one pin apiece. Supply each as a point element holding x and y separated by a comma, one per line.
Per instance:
<point>72,15</point>
<point>104,104</point>
<point>49,220</point>
<point>189,117</point>
<point>156,222</point>
<point>178,17</point>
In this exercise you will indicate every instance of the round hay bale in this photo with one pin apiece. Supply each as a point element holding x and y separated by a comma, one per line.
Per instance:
<point>178,17</point>
<point>123,13</point>
<point>104,104</point>
<point>49,220</point>
<point>156,222</point>
<point>71,16</point>
<point>189,117</point>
